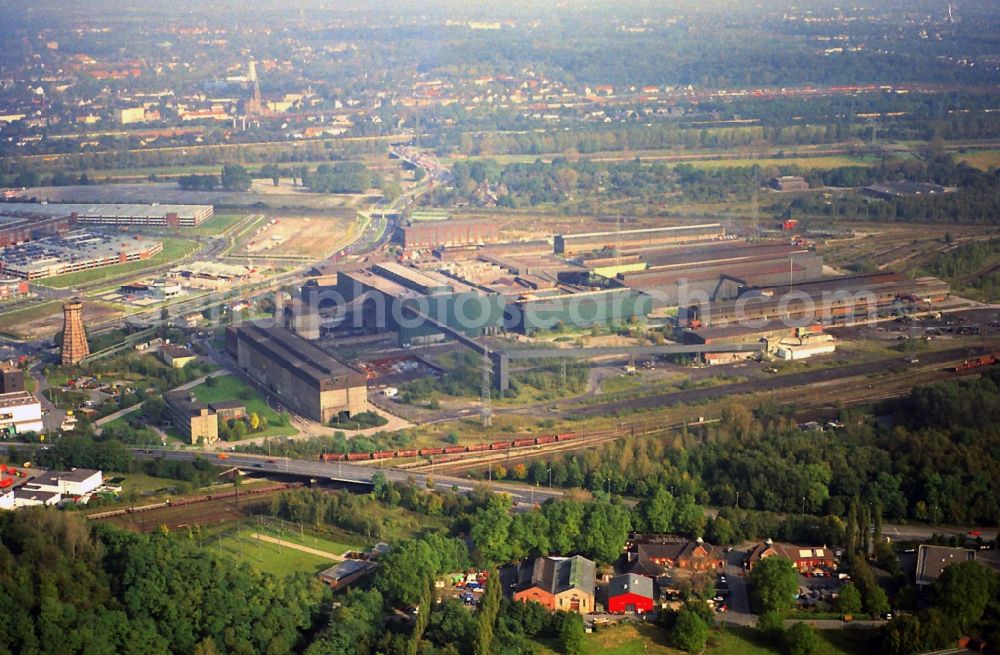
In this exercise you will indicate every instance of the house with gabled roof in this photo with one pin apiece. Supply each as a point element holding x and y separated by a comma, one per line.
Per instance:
<point>805,558</point>
<point>652,554</point>
<point>558,583</point>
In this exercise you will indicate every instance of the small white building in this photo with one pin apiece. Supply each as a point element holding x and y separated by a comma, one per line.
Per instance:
<point>20,412</point>
<point>75,482</point>
<point>7,500</point>
<point>25,497</point>
<point>806,350</point>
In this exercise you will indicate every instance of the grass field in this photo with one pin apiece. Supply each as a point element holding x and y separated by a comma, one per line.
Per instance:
<point>981,159</point>
<point>216,225</point>
<point>270,558</point>
<point>173,249</point>
<point>638,639</point>
<point>226,387</point>
<point>335,545</point>
<point>146,484</point>
<point>821,162</point>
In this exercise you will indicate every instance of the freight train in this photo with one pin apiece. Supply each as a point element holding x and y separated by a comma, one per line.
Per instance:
<point>985,360</point>
<point>448,450</point>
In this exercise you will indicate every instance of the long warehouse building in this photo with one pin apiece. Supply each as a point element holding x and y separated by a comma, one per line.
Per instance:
<point>138,215</point>
<point>306,378</point>
<point>573,244</point>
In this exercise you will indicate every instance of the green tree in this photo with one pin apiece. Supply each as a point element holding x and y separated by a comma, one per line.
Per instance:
<point>964,590</point>
<point>451,624</point>
<point>490,534</point>
<point>565,519</point>
<point>486,615</point>
<point>657,511</point>
<point>572,635</point>
<point>607,530</point>
<point>690,632</point>
<point>272,172</point>
<point>873,597</point>
<point>771,624</point>
<point>800,639</point>
<point>235,178</point>
<point>849,599</point>
<point>773,583</point>
<point>404,571</point>
<point>901,636</point>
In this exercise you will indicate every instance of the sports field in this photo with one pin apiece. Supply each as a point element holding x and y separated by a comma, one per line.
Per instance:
<point>281,552</point>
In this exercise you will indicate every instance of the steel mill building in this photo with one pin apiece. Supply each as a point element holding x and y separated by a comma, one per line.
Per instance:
<point>306,378</point>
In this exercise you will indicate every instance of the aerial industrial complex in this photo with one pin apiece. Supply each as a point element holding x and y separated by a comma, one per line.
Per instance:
<point>697,273</point>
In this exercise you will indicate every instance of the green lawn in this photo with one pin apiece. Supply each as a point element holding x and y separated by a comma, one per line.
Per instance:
<point>269,558</point>
<point>146,484</point>
<point>636,639</point>
<point>335,545</point>
<point>226,387</point>
<point>747,641</point>
<point>216,225</point>
<point>173,249</point>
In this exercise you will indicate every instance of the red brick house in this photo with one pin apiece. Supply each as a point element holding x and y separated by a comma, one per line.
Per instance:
<point>693,555</point>
<point>805,558</point>
<point>558,583</point>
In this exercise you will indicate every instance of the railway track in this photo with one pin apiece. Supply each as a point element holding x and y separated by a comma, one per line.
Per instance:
<point>466,461</point>
<point>845,390</point>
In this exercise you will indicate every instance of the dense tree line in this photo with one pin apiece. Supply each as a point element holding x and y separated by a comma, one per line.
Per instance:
<point>68,588</point>
<point>338,442</point>
<point>963,601</point>
<point>341,177</point>
<point>596,529</point>
<point>937,463</point>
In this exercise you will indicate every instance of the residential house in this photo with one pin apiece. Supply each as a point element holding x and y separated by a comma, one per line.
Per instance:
<point>629,593</point>
<point>558,583</point>
<point>651,551</point>
<point>805,558</point>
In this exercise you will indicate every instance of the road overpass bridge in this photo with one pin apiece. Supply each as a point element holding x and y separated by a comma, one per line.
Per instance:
<point>346,472</point>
